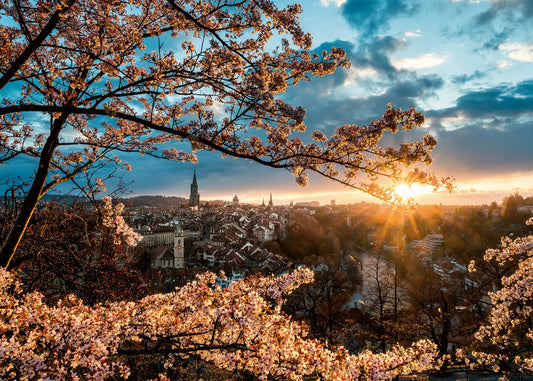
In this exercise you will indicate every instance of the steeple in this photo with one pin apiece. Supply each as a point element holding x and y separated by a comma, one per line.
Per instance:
<point>194,198</point>
<point>179,228</point>
<point>179,248</point>
<point>194,179</point>
<point>270,203</point>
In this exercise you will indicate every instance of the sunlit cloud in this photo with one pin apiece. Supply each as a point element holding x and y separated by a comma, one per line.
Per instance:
<point>356,73</point>
<point>481,191</point>
<point>337,3</point>
<point>416,33</point>
<point>454,122</point>
<point>518,51</point>
<point>503,64</point>
<point>422,62</point>
<point>509,182</point>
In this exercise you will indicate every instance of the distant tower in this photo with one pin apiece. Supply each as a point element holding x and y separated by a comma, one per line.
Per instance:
<point>263,204</point>
<point>270,203</point>
<point>179,248</point>
<point>194,199</point>
<point>235,200</point>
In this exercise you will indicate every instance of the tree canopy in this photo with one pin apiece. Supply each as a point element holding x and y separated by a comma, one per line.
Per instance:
<point>167,78</point>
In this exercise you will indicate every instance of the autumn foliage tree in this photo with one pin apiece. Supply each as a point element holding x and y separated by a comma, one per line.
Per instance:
<point>148,76</point>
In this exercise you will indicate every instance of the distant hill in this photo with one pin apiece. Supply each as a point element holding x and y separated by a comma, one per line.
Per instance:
<point>58,198</point>
<point>156,201</point>
<point>150,201</point>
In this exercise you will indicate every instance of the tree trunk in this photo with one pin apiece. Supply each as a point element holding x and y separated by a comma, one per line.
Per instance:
<point>35,193</point>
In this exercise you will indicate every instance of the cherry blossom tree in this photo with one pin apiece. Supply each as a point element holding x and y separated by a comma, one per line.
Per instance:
<point>85,80</point>
<point>73,249</point>
<point>506,339</point>
<point>240,327</point>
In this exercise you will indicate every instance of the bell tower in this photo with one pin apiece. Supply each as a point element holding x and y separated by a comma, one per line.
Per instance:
<point>179,247</point>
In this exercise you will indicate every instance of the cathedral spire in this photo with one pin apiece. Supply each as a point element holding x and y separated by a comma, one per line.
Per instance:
<point>270,203</point>
<point>194,198</point>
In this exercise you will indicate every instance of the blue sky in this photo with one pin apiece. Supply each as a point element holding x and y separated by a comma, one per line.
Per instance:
<point>468,65</point>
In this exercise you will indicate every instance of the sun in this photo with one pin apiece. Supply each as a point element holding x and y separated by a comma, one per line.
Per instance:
<point>407,191</point>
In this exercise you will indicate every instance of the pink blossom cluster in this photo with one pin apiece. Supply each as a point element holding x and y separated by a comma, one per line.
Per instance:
<point>240,326</point>
<point>508,328</point>
<point>112,219</point>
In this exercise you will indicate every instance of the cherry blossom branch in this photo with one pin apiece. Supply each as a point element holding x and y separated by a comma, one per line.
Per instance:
<point>212,31</point>
<point>36,43</point>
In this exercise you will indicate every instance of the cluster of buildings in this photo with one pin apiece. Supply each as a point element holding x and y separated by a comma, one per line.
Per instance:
<point>227,237</point>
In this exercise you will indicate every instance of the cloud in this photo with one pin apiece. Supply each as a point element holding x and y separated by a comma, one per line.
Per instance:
<point>370,17</point>
<point>463,78</point>
<point>327,114</point>
<point>417,33</point>
<point>327,3</point>
<point>502,65</point>
<point>375,53</point>
<point>521,52</point>
<point>489,23</point>
<point>501,20</point>
<point>370,63</point>
<point>510,10</point>
<point>506,100</point>
<point>487,132</point>
<point>422,62</point>
<point>476,152</point>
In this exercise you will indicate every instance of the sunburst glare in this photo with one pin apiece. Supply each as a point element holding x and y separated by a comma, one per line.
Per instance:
<point>409,191</point>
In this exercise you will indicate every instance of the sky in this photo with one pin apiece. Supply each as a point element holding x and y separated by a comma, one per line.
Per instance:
<point>466,64</point>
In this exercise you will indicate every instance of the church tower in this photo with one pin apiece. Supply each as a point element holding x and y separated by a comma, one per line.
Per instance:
<point>179,247</point>
<point>270,203</point>
<point>194,199</point>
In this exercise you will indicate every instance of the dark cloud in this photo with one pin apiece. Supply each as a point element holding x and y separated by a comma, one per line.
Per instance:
<point>475,151</point>
<point>375,52</point>
<point>502,20</point>
<point>370,54</point>
<point>496,39</point>
<point>499,101</point>
<point>371,17</point>
<point>495,135</point>
<point>510,10</point>
<point>329,114</point>
<point>463,78</point>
